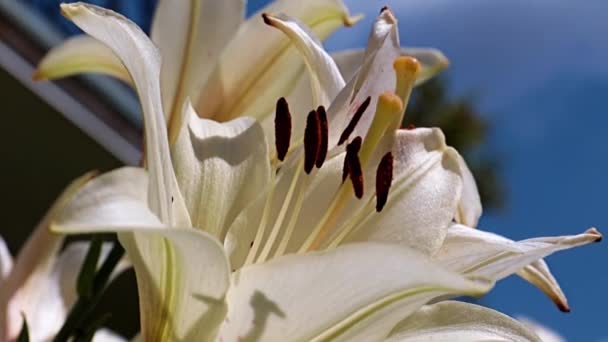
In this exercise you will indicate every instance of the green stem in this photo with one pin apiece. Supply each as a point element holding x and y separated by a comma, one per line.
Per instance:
<point>82,309</point>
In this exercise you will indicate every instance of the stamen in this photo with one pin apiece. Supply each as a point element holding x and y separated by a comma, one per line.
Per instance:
<point>324,131</point>
<point>406,70</point>
<point>354,166</point>
<point>353,122</point>
<point>384,178</point>
<point>345,171</point>
<point>282,128</point>
<point>384,8</point>
<point>312,141</point>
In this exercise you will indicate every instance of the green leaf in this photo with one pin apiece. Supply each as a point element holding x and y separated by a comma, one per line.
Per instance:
<point>24,335</point>
<point>86,278</point>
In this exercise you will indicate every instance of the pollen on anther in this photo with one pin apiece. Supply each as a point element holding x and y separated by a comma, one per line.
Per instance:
<point>324,136</point>
<point>353,122</point>
<point>354,166</point>
<point>282,128</point>
<point>384,178</point>
<point>312,141</point>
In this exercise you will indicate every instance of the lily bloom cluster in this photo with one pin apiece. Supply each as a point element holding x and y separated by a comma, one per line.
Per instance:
<point>324,221</point>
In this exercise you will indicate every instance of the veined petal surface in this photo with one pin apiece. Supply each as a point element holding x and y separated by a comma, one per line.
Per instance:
<point>35,271</point>
<point>259,65</point>
<point>354,292</point>
<point>116,198</point>
<point>182,277</point>
<point>460,322</point>
<point>142,60</point>
<point>432,61</point>
<point>221,168</point>
<point>325,78</point>
<point>469,207</point>
<point>479,253</point>
<point>190,35</point>
<point>423,196</point>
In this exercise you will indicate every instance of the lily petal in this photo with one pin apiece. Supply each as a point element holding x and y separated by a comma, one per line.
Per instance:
<point>221,168</point>
<point>249,83</point>
<point>458,321</point>
<point>33,275</point>
<point>190,36</point>
<point>106,335</point>
<point>325,78</point>
<point>432,61</point>
<point>469,207</point>
<point>363,288</point>
<point>6,261</point>
<point>182,277</point>
<point>376,76</point>
<point>116,198</point>
<point>479,253</point>
<point>538,274</point>
<point>81,54</point>
<point>423,196</point>
<point>179,299</point>
<point>142,60</point>
<point>545,334</point>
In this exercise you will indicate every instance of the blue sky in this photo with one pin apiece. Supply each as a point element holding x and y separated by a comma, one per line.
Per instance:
<point>538,71</point>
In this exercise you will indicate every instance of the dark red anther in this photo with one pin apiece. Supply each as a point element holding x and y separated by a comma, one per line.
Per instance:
<point>324,135</point>
<point>384,178</point>
<point>354,166</point>
<point>384,8</point>
<point>312,140</point>
<point>353,122</point>
<point>282,128</point>
<point>345,170</point>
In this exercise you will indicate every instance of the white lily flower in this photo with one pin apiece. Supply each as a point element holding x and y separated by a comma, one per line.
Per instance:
<point>216,204</point>
<point>40,285</point>
<point>227,65</point>
<point>187,290</point>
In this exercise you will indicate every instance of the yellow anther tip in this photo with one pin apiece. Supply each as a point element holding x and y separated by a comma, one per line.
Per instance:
<point>406,65</point>
<point>390,102</point>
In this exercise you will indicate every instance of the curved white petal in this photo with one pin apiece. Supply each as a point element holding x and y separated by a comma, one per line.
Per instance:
<point>460,322</point>
<point>354,292</point>
<point>376,76</point>
<point>325,78</point>
<point>478,253</point>
<point>142,60</point>
<point>33,280</point>
<point>221,168</point>
<point>190,36</point>
<point>81,54</point>
<point>423,196</point>
<point>538,274</point>
<point>469,207</point>
<point>106,335</point>
<point>116,198</point>
<point>258,65</point>
<point>182,277</point>
<point>6,261</point>
<point>432,61</point>
<point>545,334</point>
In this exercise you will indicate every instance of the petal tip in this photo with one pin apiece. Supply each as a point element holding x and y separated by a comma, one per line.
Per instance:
<point>349,21</point>
<point>593,232</point>
<point>39,75</point>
